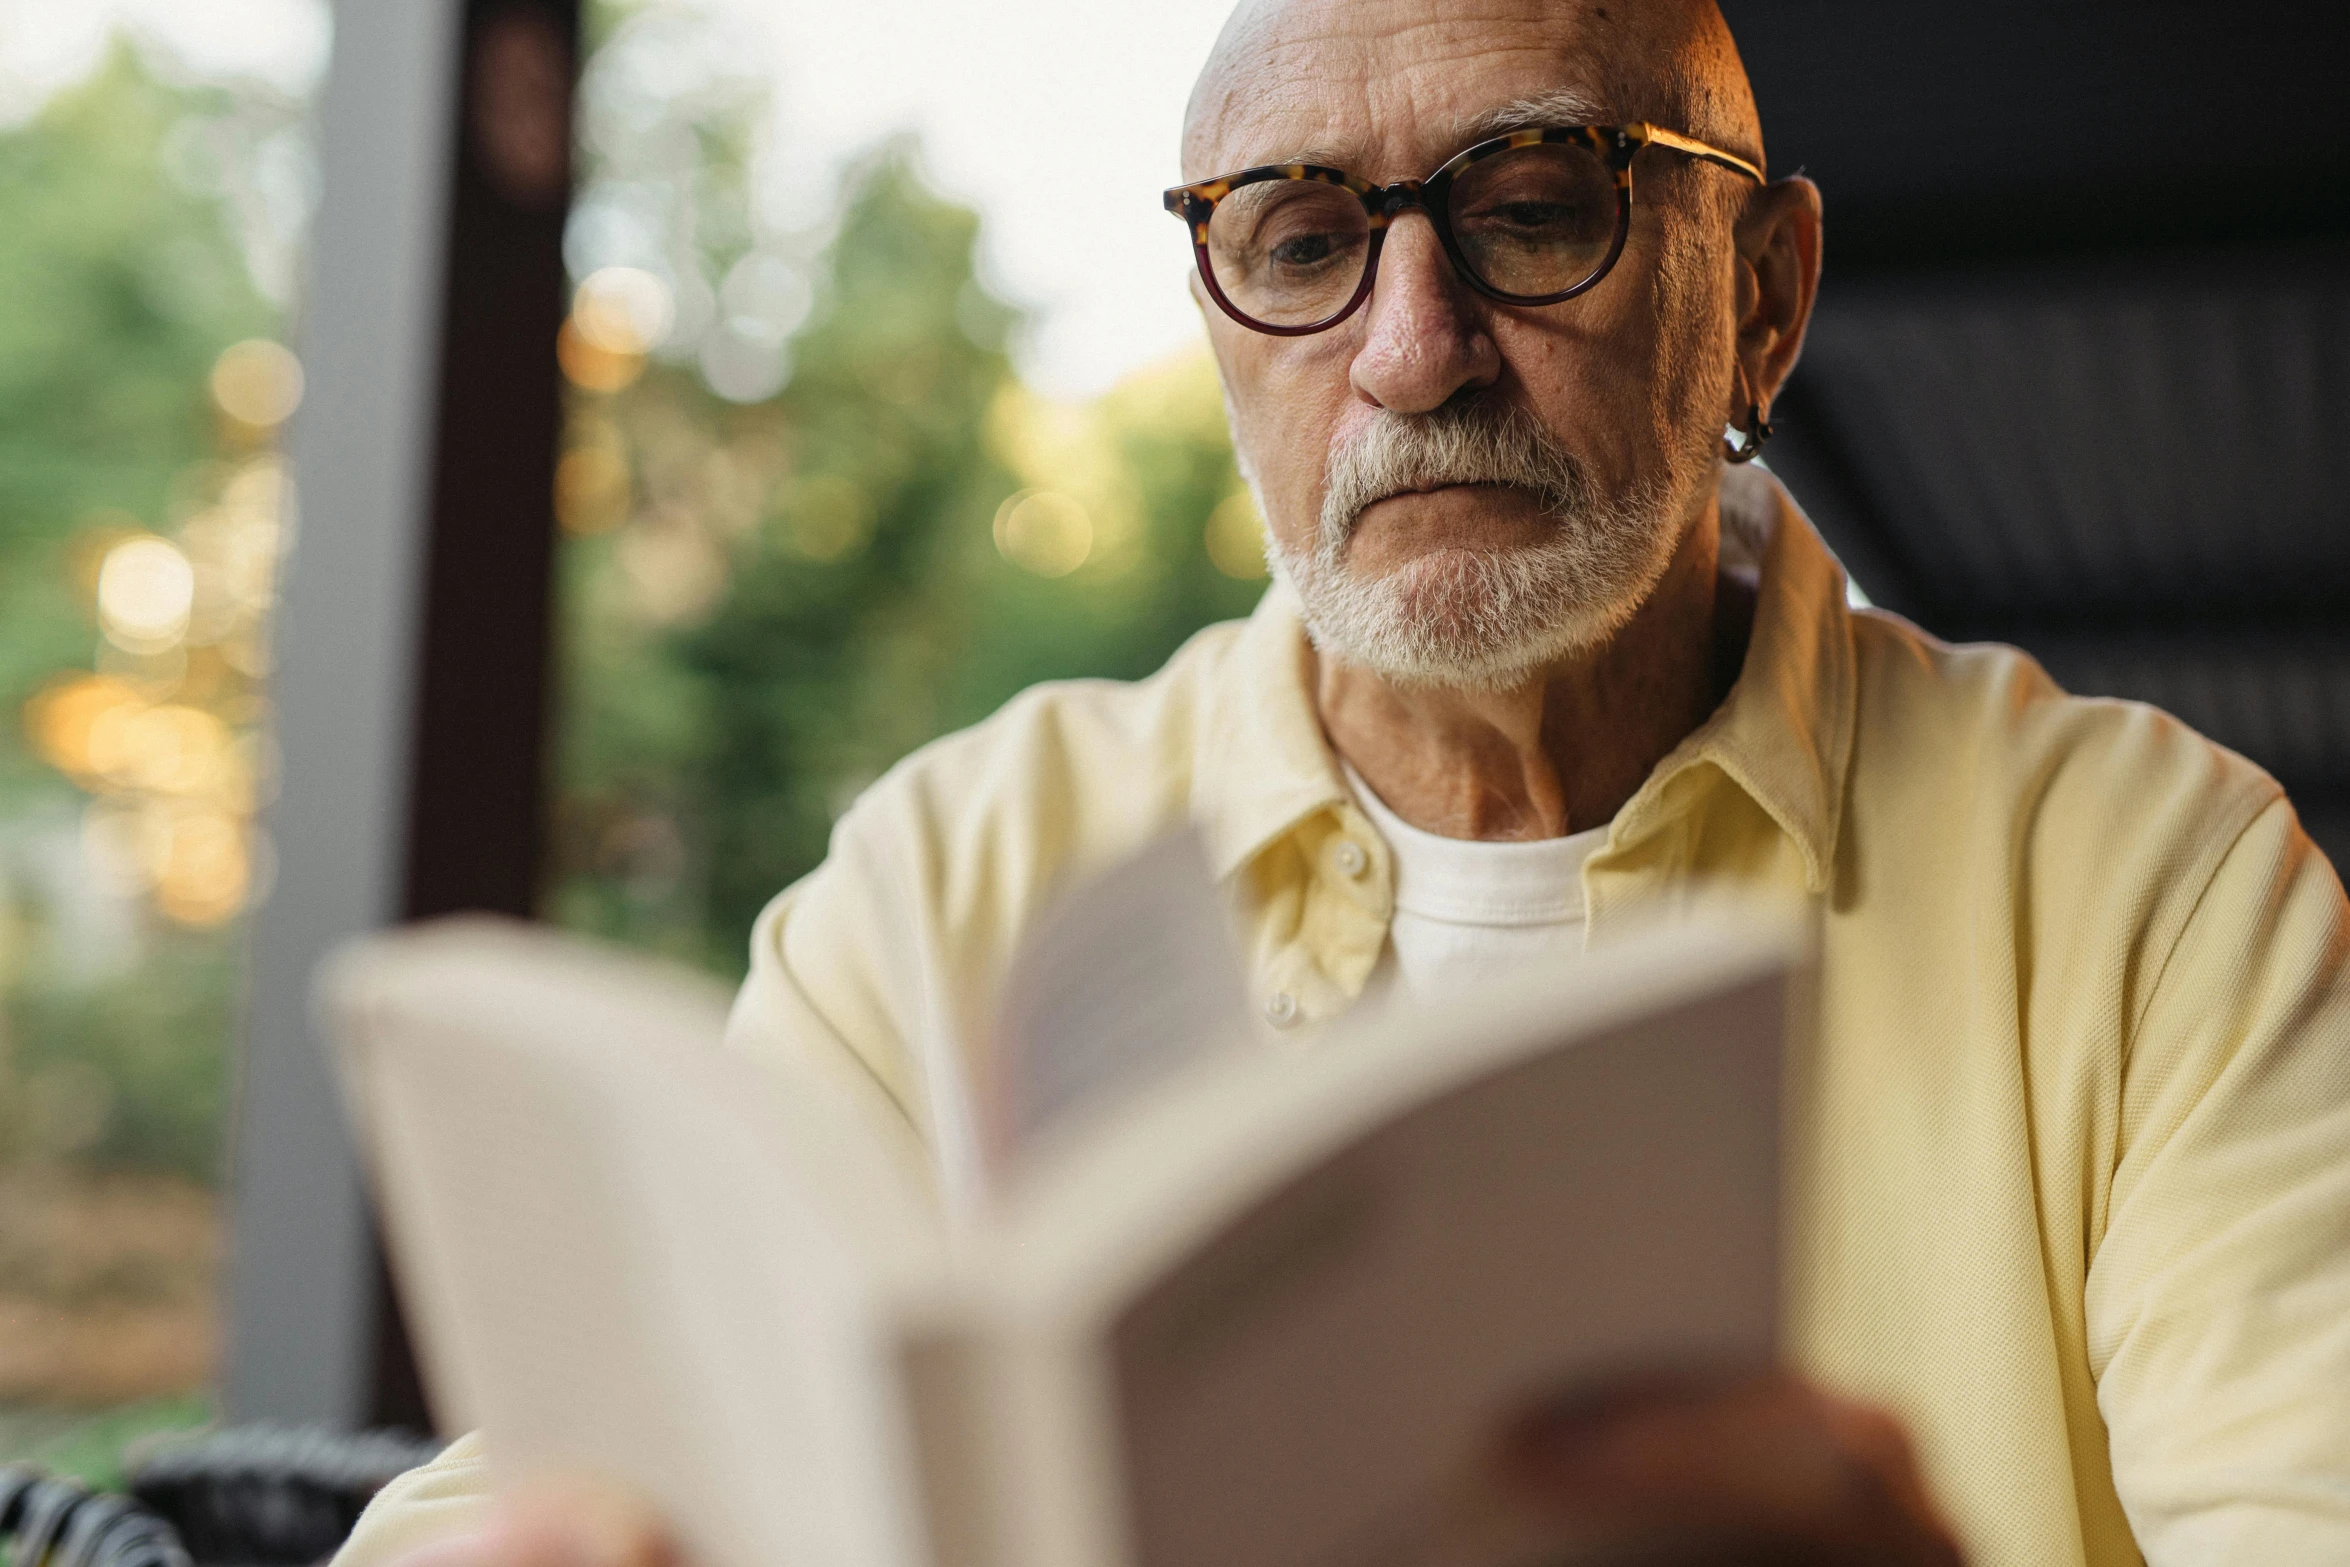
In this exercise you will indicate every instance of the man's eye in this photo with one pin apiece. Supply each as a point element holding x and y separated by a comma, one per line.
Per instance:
<point>1532,215</point>
<point>1304,250</point>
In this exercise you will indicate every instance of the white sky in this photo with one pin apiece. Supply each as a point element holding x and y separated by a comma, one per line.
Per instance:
<point>49,44</point>
<point>1057,119</point>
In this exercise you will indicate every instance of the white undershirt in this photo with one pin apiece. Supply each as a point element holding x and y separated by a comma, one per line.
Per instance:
<point>1469,912</point>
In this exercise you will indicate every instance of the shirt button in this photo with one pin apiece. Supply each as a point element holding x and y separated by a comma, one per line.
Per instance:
<point>1352,861</point>
<point>1281,1009</point>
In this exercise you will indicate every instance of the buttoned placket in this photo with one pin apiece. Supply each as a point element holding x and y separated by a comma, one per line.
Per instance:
<point>1349,887</point>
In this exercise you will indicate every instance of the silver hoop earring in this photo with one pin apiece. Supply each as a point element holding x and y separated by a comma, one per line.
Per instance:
<point>1757,431</point>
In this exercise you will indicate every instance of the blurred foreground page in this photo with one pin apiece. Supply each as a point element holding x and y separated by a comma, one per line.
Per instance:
<point>1285,1307</point>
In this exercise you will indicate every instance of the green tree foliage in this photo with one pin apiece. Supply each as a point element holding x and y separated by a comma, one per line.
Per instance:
<point>872,598</point>
<point>118,287</point>
<point>128,1072</point>
<point>826,656</point>
<point>121,280</point>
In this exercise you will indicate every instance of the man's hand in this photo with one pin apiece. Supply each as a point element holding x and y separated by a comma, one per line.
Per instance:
<point>1763,1470</point>
<point>560,1524</point>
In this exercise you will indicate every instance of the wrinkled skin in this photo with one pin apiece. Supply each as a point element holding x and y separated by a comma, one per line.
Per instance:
<point>1703,315</point>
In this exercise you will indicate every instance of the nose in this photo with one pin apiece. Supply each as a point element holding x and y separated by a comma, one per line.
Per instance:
<point>1425,335</point>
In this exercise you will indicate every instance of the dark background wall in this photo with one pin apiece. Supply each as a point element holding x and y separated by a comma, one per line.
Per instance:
<point>2083,350</point>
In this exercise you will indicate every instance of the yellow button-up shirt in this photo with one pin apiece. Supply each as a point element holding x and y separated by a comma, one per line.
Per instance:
<point>2071,1174</point>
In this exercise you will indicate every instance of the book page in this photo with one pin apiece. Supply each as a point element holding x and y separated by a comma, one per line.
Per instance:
<point>1126,979</point>
<point>1322,1292</point>
<point>627,1253</point>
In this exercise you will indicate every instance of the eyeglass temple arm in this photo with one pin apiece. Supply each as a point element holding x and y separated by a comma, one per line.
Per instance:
<point>1697,149</point>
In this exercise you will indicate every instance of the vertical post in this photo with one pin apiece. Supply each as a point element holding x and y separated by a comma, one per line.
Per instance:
<point>475,803</point>
<point>412,631</point>
<point>301,1270</point>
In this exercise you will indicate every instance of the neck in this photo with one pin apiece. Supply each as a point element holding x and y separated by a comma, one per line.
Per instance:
<point>1561,751</point>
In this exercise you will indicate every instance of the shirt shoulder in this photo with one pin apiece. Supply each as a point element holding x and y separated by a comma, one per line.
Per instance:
<point>1987,716</point>
<point>434,1502</point>
<point>1064,771</point>
<point>893,948</point>
<point>1973,769</point>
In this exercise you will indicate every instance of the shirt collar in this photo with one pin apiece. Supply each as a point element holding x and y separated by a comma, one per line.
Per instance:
<point>1783,735</point>
<point>1262,763</point>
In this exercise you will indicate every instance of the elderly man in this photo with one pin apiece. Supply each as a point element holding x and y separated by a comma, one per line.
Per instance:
<point>1486,282</point>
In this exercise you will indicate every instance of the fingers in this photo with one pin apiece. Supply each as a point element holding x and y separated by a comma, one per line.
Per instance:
<point>1766,1459</point>
<point>464,1551</point>
<point>1881,1445</point>
<point>560,1523</point>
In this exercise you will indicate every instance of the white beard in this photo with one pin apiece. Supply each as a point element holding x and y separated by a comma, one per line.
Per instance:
<point>1484,618</point>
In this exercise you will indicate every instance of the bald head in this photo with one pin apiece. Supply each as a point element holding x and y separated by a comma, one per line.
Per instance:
<point>1460,483</point>
<point>1671,62</point>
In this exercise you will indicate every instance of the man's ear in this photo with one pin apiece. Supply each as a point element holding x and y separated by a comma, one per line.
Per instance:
<point>1779,241</point>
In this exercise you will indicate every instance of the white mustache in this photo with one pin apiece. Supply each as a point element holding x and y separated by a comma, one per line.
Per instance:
<point>1468,442</point>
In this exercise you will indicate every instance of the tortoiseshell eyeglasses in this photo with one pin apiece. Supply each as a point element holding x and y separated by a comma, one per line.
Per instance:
<point>1530,218</point>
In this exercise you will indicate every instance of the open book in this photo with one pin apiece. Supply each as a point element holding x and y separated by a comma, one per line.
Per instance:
<point>1230,1300</point>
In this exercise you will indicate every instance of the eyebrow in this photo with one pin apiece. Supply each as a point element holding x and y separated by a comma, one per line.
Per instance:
<point>1327,155</point>
<point>1557,106</point>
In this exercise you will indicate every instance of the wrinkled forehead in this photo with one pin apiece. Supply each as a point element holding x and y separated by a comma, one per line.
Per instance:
<point>1388,89</point>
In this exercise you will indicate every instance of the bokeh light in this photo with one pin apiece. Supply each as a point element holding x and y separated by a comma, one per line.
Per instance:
<point>592,485</point>
<point>828,517</point>
<point>767,294</point>
<point>618,316</point>
<point>1236,537</point>
<point>235,547</point>
<point>745,357</point>
<point>197,862</point>
<point>169,748</point>
<point>1076,452</point>
<point>592,368</point>
<point>673,568</point>
<point>59,719</point>
<point>623,310</point>
<point>163,734</point>
<point>146,592</point>
<point>121,844</point>
<point>257,382</point>
<point>203,872</point>
<point>743,362</point>
<point>1043,531</point>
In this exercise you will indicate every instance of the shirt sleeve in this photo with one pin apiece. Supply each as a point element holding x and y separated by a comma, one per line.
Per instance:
<point>850,994</point>
<point>436,1502</point>
<point>819,993</point>
<point>2218,1296</point>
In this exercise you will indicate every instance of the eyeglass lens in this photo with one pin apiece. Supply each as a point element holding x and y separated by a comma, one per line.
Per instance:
<point>1529,222</point>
